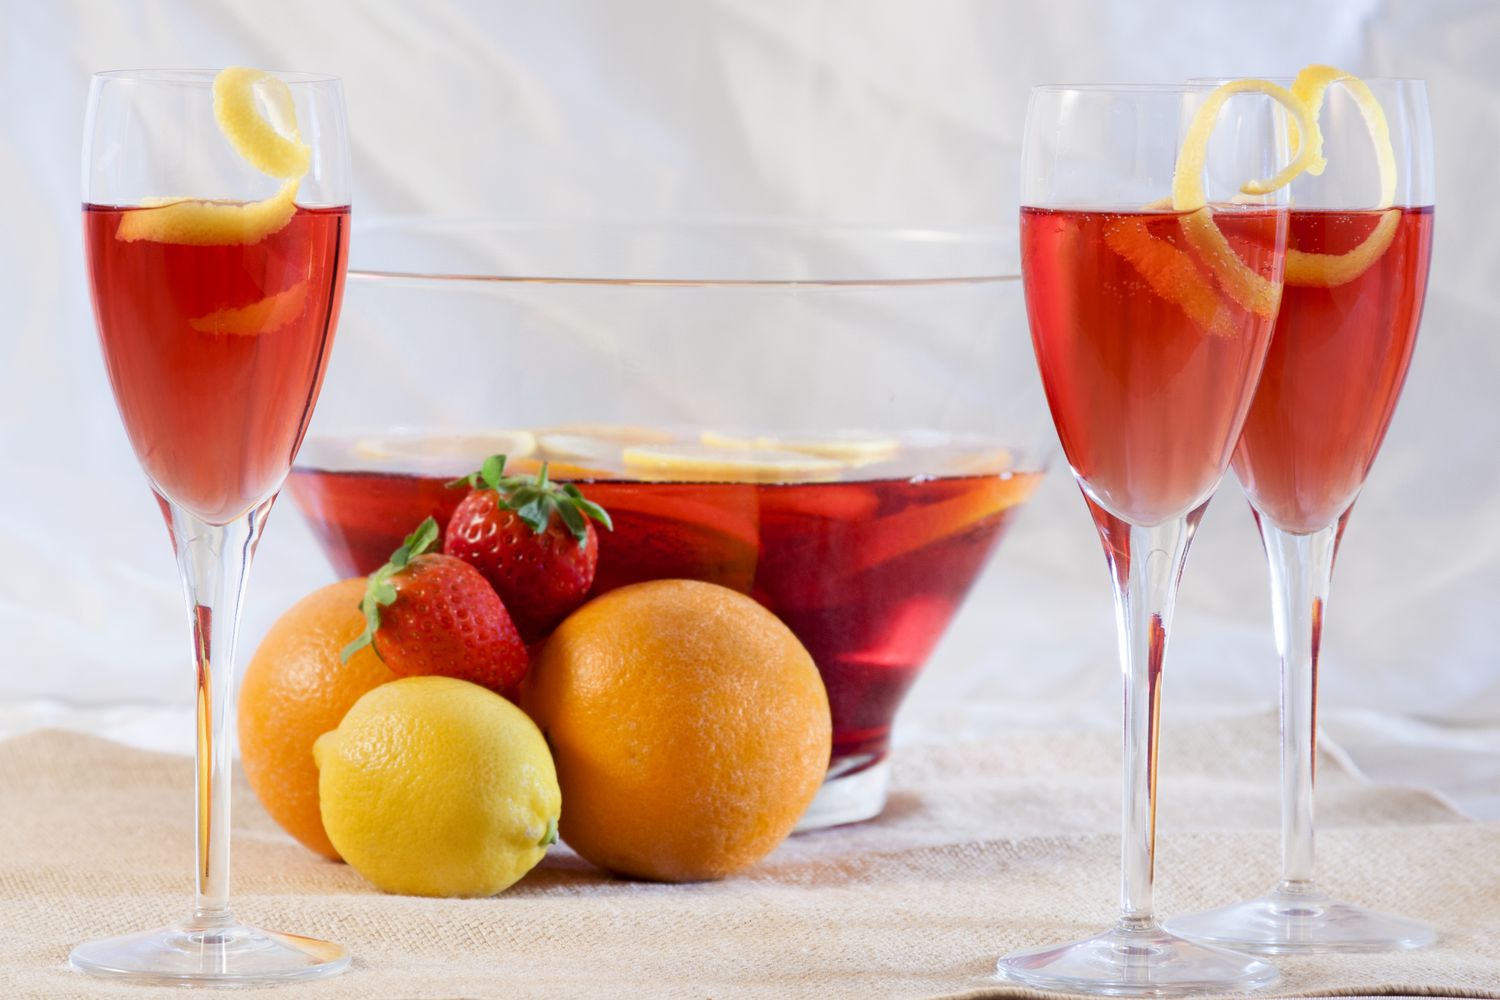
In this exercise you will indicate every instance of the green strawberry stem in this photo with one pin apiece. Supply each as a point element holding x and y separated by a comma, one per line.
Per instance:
<point>534,501</point>
<point>379,591</point>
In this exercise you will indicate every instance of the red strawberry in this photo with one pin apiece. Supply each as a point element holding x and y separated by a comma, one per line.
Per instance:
<point>533,541</point>
<point>428,613</point>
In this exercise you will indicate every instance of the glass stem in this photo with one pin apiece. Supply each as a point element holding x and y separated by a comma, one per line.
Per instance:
<point>1146,563</point>
<point>1301,567</point>
<point>214,560</point>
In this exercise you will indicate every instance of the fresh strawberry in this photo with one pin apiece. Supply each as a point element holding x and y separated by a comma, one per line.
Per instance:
<point>428,613</point>
<point>533,540</point>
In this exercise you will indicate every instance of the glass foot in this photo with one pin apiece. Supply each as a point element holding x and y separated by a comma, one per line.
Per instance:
<point>854,790</point>
<point>1136,961</point>
<point>1301,921</point>
<point>230,954</point>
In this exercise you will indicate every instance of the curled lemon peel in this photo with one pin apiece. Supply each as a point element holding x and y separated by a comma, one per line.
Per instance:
<point>269,142</point>
<point>1187,180</point>
<point>1329,270</point>
<point>208,223</point>
<point>262,316</point>
<point>1241,282</point>
<point>1170,272</point>
<point>1324,269</point>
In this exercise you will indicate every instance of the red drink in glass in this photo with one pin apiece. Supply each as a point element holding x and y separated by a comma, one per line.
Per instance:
<point>216,353</point>
<point>1147,361</point>
<point>867,572</point>
<point>1334,371</point>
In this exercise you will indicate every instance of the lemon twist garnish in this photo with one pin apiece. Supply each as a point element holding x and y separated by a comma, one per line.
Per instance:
<point>1241,282</point>
<point>1187,180</point>
<point>262,316</point>
<point>1327,269</point>
<point>1171,273</point>
<point>208,223</point>
<point>270,143</point>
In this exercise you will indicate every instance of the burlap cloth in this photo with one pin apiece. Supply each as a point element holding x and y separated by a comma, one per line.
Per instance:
<point>985,847</point>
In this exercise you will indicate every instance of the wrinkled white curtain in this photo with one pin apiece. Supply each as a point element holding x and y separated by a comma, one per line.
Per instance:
<point>884,111</point>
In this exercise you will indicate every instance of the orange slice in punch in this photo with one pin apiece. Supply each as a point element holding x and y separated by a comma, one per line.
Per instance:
<point>453,454</point>
<point>704,464</point>
<point>854,447</point>
<point>268,141</point>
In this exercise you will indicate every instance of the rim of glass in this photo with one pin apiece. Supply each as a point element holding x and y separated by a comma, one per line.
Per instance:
<point>914,234</point>
<point>1274,77</point>
<point>1121,88</point>
<point>1191,84</point>
<point>202,77</point>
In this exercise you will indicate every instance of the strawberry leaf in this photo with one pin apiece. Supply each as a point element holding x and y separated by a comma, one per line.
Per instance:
<point>492,471</point>
<point>534,501</point>
<point>534,510</point>
<point>381,593</point>
<point>422,539</point>
<point>588,506</point>
<point>573,519</point>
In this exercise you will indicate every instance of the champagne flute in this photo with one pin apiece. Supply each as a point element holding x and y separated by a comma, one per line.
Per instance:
<point>1361,236</point>
<point>216,258</point>
<point>1149,347</point>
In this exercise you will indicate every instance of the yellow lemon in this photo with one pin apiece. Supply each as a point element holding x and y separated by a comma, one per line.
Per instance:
<point>433,786</point>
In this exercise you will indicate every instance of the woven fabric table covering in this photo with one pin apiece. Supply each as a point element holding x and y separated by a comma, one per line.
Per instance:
<point>985,847</point>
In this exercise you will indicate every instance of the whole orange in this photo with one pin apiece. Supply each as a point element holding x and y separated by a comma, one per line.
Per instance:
<point>689,727</point>
<point>295,689</point>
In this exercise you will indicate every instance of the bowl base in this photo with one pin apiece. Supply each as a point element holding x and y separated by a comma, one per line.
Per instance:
<point>855,790</point>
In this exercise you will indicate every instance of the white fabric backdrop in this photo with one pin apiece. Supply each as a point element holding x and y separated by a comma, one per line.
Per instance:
<point>888,111</point>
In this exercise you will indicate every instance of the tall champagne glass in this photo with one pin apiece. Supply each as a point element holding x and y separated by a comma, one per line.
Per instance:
<point>1355,280</point>
<point>1149,346</point>
<point>216,258</point>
